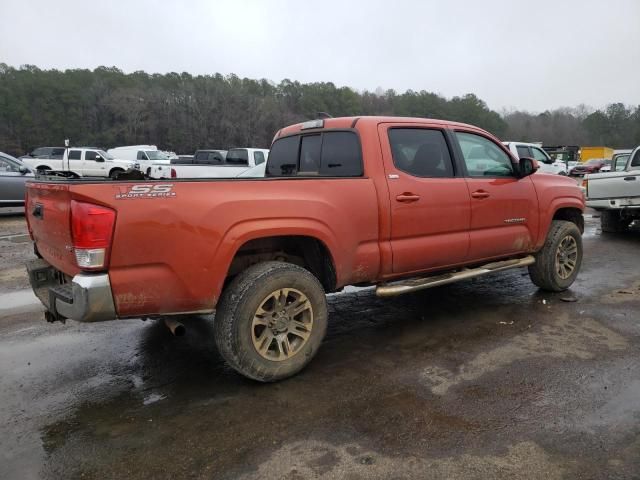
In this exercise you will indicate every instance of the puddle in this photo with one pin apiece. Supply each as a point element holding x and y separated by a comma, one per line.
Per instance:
<point>19,300</point>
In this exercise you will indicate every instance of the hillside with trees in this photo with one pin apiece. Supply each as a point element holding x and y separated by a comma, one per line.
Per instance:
<point>182,112</point>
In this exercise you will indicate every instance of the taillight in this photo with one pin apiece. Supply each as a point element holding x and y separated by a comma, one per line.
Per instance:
<point>92,229</point>
<point>173,173</point>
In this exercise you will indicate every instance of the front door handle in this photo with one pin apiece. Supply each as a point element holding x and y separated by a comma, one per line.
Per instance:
<point>480,194</point>
<point>407,197</point>
<point>628,179</point>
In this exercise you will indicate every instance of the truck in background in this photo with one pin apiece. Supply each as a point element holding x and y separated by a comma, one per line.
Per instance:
<point>85,162</point>
<point>236,161</point>
<point>601,153</point>
<point>616,194</point>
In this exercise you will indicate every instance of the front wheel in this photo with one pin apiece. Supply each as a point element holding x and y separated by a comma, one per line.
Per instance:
<point>113,174</point>
<point>558,263</point>
<point>271,320</point>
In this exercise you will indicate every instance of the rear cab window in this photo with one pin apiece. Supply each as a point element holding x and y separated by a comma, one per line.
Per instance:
<point>238,156</point>
<point>331,153</point>
<point>75,154</point>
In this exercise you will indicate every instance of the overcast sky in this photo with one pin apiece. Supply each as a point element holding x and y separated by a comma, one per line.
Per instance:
<point>533,55</point>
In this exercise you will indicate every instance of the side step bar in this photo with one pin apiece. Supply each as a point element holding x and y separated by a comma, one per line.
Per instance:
<point>413,284</point>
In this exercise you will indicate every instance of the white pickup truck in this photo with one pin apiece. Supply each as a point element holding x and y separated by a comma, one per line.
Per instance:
<point>616,194</point>
<point>533,150</point>
<point>237,161</point>
<point>85,162</point>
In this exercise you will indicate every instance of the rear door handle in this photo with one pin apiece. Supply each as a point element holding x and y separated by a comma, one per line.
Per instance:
<point>628,179</point>
<point>407,197</point>
<point>480,194</point>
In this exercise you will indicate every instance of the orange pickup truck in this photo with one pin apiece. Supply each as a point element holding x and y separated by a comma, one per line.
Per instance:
<point>399,203</point>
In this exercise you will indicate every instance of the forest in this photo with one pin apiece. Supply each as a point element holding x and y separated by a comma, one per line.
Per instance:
<point>106,107</point>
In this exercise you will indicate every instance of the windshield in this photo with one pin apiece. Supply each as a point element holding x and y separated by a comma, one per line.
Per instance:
<point>156,155</point>
<point>105,155</point>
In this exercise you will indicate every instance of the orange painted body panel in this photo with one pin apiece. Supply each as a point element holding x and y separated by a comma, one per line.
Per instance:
<point>172,254</point>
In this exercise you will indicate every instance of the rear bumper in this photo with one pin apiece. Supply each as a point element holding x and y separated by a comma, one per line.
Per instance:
<point>86,298</point>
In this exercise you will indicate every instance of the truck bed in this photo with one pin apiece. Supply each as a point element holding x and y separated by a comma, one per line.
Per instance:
<point>173,240</point>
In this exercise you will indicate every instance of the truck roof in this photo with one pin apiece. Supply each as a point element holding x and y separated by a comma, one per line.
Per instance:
<point>351,122</point>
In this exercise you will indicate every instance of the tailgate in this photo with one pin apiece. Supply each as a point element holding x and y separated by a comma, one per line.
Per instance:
<point>48,211</point>
<point>614,185</point>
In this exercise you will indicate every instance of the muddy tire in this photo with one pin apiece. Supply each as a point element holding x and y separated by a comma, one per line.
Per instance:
<point>558,263</point>
<point>612,222</point>
<point>271,320</point>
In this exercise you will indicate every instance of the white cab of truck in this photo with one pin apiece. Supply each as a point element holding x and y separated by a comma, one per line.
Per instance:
<point>616,194</point>
<point>535,151</point>
<point>85,162</point>
<point>146,156</point>
<point>237,161</point>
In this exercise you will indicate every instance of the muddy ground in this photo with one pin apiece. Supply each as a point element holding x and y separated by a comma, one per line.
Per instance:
<point>490,378</point>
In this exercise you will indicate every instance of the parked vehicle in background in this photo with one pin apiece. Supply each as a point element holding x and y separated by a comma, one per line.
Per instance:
<point>591,166</point>
<point>565,153</point>
<point>209,157</point>
<point>596,153</point>
<point>616,194</point>
<point>144,155</point>
<point>236,161</point>
<point>606,167</point>
<point>55,153</point>
<point>83,162</point>
<point>13,176</point>
<point>533,150</point>
<point>400,203</point>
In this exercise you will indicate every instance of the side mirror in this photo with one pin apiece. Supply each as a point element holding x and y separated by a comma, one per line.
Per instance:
<point>99,158</point>
<point>527,166</point>
<point>23,170</point>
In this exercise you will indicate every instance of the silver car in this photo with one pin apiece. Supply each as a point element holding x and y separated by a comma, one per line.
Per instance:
<point>13,175</point>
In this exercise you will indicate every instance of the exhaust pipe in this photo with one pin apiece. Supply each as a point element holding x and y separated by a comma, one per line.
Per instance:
<point>176,328</point>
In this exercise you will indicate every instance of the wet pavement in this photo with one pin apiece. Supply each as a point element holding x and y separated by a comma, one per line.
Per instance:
<point>490,378</point>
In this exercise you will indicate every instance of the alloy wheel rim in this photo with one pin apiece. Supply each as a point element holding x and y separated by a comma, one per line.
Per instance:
<point>566,257</point>
<point>282,324</point>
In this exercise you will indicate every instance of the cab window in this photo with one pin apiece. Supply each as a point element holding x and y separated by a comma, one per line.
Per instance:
<point>523,151</point>
<point>421,152</point>
<point>482,157</point>
<point>75,154</point>
<point>90,155</point>
<point>141,155</point>
<point>258,157</point>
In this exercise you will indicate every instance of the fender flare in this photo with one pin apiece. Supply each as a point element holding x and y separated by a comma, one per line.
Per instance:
<point>240,233</point>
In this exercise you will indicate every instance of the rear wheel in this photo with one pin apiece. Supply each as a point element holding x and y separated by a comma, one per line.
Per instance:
<point>612,222</point>
<point>41,170</point>
<point>558,263</point>
<point>271,320</point>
